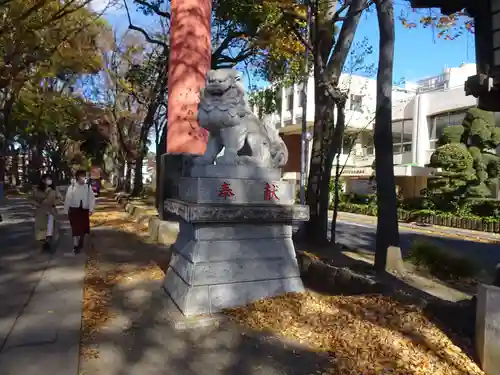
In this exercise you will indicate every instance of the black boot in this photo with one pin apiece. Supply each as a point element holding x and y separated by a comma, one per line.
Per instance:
<point>78,248</point>
<point>46,246</point>
<point>50,247</point>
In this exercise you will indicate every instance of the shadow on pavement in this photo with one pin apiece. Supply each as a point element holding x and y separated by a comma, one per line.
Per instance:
<point>133,332</point>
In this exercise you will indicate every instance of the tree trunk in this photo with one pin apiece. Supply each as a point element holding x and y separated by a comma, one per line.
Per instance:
<point>15,167</point>
<point>36,162</point>
<point>317,226</point>
<point>5,138</point>
<point>119,173</point>
<point>138,185</point>
<point>3,155</point>
<point>161,146</point>
<point>387,219</point>
<point>336,149</point>
<point>128,177</point>
<point>328,65</point>
<point>336,201</point>
<point>24,167</point>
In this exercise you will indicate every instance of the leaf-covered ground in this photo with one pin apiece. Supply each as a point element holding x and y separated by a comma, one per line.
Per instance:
<point>357,334</point>
<point>361,334</point>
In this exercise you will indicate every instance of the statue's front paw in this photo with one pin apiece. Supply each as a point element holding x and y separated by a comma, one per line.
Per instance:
<point>247,160</point>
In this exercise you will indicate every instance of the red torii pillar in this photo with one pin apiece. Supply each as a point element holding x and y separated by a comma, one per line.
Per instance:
<point>189,61</point>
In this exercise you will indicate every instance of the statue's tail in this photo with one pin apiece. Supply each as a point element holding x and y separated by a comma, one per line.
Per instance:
<point>279,151</point>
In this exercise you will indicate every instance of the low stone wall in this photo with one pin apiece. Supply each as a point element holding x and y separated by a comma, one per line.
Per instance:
<point>315,273</point>
<point>335,280</point>
<point>159,231</point>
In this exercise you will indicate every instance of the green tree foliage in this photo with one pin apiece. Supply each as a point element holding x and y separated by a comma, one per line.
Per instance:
<point>455,172</point>
<point>40,33</point>
<point>266,101</point>
<point>262,30</point>
<point>47,49</point>
<point>467,161</point>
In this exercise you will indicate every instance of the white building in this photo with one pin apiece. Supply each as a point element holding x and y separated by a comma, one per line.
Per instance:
<point>421,111</point>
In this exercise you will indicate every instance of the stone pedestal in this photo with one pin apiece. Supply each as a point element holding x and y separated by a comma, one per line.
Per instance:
<point>488,328</point>
<point>233,250</point>
<point>173,167</point>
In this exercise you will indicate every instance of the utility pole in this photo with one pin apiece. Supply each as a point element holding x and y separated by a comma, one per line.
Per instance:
<point>303,134</point>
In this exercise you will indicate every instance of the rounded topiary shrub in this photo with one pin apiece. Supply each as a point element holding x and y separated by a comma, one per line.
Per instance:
<point>452,157</point>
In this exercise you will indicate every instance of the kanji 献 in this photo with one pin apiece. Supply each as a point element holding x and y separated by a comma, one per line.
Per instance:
<point>225,191</point>
<point>270,192</point>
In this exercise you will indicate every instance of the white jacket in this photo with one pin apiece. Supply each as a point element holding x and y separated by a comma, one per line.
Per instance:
<point>79,194</point>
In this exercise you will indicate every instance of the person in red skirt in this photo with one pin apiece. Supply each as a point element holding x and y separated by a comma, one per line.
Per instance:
<point>79,205</point>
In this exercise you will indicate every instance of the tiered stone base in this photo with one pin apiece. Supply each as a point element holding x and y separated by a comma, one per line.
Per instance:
<point>229,255</point>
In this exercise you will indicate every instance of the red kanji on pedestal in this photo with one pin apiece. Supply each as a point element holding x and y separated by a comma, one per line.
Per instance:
<point>225,191</point>
<point>270,192</point>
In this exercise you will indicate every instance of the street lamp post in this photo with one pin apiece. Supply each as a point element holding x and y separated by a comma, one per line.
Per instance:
<point>307,148</point>
<point>303,134</point>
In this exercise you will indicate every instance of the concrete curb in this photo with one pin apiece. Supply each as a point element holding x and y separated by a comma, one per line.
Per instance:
<point>159,231</point>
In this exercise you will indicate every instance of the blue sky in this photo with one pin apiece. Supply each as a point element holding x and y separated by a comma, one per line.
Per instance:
<point>418,53</point>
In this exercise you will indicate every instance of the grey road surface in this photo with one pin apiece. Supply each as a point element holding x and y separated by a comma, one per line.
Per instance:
<point>362,236</point>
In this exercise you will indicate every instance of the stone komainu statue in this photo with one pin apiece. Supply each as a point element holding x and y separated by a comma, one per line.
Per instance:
<point>224,111</point>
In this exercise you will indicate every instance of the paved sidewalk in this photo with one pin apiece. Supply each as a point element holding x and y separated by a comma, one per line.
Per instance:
<point>41,298</point>
<point>472,235</point>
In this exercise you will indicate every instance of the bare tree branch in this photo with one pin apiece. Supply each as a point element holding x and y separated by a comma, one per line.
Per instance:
<point>154,8</point>
<point>146,35</point>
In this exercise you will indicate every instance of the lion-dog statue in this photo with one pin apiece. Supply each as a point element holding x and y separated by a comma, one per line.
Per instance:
<point>225,112</point>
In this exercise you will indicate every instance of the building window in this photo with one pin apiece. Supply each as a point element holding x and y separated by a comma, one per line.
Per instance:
<point>407,136</point>
<point>397,131</point>
<point>441,121</point>
<point>367,142</point>
<point>356,103</point>
<point>347,145</point>
<point>289,103</point>
<point>402,136</point>
<point>370,150</point>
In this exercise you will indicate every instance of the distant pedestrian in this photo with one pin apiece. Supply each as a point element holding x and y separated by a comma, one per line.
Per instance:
<point>79,205</point>
<point>45,197</point>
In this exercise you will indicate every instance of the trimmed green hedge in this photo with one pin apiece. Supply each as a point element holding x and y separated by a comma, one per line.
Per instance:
<point>483,224</point>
